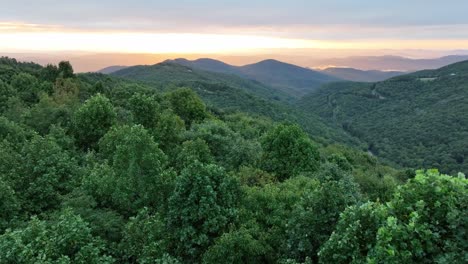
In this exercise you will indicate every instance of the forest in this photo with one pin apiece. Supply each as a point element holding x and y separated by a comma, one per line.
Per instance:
<point>101,169</point>
<point>413,121</point>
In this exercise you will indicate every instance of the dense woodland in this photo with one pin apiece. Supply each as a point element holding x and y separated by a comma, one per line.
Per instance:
<point>99,169</point>
<point>418,120</point>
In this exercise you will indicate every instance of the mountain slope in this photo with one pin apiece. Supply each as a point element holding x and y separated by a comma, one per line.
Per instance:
<point>387,62</point>
<point>356,75</point>
<point>232,93</point>
<point>416,120</point>
<point>291,79</point>
<point>111,69</point>
<point>168,72</point>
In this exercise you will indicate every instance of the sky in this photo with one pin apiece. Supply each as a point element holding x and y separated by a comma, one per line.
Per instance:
<point>233,27</point>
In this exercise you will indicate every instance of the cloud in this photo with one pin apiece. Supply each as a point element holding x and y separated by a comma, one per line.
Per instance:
<point>328,23</point>
<point>183,14</point>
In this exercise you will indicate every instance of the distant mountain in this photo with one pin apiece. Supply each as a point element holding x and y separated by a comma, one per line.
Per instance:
<point>231,93</point>
<point>386,63</point>
<point>291,79</point>
<point>111,69</point>
<point>171,72</point>
<point>351,74</point>
<point>415,120</point>
<point>209,65</point>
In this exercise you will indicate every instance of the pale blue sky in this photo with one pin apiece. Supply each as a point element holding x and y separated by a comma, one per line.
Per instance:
<point>324,19</point>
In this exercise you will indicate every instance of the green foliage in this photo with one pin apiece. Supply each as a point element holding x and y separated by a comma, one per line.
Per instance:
<point>405,120</point>
<point>50,72</point>
<point>135,176</point>
<point>65,70</point>
<point>145,110</point>
<point>354,235</point>
<point>46,173</point>
<point>316,214</point>
<point>13,132</point>
<point>288,152</point>
<point>67,239</point>
<point>92,120</point>
<point>6,91</point>
<point>27,87</point>
<point>228,148</point>
<point>193,151</point>
<point>188,105</point>
<point>239,246</point>
<point>268,209</point>
<point>169,131</point>
<point>46,113</point>
<point>254,177</point>
<point>10,206</point>
<point>144,238</point>
<point>425,222</point>
<point>202,206</point>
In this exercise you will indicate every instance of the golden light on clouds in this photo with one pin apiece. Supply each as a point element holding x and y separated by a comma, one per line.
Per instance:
<point>22,37</point>
<point>145,43</point>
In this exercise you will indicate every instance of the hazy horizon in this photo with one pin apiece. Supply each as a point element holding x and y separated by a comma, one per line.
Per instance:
<point>237,32</point>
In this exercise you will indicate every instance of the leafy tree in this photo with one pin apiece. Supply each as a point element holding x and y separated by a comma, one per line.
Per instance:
<point>13,132</point>
<point>10,206</point>
<point>92,120</point>
<point>316,214</point>
<point>192,151</point>
<point>228,148</point>
<point>145,110</point>
<point>46,113</point>
<point>66,91</point>
<point>6,91</point>
<point>65,240</point>
<point>169,131</point>
<point>354,235</point>
<point>27,87</point>
<point>254,177</point>
<point>136,176</point>
<point>104,222</point>
<point>239,246</point>
<point>97,88</point>
<point>144,238</point>
<point>188,105</point>
<point>425,222</point>
<point>202,206</point>
<point>269,208</point>
<point>65,70</point>
<point>47,172</point>
<point>50,72</point>
<point>287,152</point>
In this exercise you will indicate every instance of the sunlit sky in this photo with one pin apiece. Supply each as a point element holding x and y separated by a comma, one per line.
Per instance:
<point>230,27</point>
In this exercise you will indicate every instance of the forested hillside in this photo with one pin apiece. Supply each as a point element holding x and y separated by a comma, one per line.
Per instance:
<point>290,79</point>
<point>229,93</point>
<point>356,75</point>
<point>418,120</point>
<point>112,171</point>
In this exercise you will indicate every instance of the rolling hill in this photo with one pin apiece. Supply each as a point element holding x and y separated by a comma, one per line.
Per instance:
<point>231,93</point>
<point>288,78</point>
<point>356,75</point>
<point>111,69</point>
<point>415,120</point>
<point>171,73</point>
<point>388,62</point>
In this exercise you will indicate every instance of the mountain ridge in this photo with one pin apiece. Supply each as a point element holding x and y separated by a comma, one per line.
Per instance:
<point>356,75</point>
<point>292,79</point>
<point>402,119</point>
